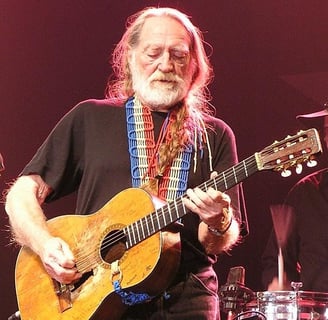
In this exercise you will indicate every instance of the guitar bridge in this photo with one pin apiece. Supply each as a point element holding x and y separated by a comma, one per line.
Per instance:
<point>63,292</point>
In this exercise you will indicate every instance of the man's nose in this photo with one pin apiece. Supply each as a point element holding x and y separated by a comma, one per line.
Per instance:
<point>165,63</point>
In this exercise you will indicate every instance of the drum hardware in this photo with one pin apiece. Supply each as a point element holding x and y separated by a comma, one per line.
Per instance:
<point>296,285</point>
<point>234,298</point>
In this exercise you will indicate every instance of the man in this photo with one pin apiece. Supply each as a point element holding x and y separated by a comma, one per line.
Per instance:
<point>152,131</point>
<point>305,254</point>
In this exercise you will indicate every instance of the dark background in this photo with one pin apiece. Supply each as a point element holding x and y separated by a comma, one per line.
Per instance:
<point>270,60</point>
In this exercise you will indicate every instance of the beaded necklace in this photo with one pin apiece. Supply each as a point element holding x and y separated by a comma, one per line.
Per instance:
<point>143,150</point>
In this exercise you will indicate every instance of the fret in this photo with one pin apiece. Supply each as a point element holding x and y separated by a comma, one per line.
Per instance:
<point>251,167</point>
<point>215,184</point>
<point>133,233</point>
<point>161,219</point>
<point>181,206</point>
<point>152,223</point>
<point>234,174</point>
<point>137,230</point>
<point>245,168</point>
<point>184,209</point>
<point>147,226</point>
<point>177,216</point>
<point>142,227</point>
<point>163,214</point>
<point>158,221</point>
<point>224,180</point>
<point>128,236</point>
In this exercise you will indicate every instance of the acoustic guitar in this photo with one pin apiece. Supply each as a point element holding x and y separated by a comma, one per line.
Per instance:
<point>125,251</point>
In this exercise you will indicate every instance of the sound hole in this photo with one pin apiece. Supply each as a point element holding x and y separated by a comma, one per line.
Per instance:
<point>113,246</point>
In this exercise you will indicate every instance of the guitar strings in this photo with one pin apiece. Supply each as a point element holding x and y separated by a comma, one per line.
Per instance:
<point>85,262</point>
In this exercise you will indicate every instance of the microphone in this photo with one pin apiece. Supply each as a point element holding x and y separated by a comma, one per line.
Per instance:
<point>15,316</point>
<point>234,295</point>
<point>236,275</point>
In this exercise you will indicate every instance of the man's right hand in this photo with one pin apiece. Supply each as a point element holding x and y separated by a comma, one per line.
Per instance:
<point>59,262</point>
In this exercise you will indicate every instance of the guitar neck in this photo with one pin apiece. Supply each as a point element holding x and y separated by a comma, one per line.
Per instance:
<point>279,156</point>
<point>174,210</point>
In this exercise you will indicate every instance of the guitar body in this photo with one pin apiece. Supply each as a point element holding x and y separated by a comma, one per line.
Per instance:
<point>148,267</point>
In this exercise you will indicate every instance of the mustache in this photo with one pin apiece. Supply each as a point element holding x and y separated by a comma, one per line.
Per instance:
<point>159,76</point>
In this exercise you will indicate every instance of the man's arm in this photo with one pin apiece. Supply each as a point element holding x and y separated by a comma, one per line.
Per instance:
<point>29,227</point>
<point>26,217</point>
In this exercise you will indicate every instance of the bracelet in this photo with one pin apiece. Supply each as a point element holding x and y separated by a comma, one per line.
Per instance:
<point>218,232</point>
<point>225,212</point>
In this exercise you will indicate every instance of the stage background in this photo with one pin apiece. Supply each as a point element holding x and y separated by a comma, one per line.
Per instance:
<point>270,63</point>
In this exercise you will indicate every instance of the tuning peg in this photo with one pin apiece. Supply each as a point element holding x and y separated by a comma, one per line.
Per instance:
<point>299,168</point>
<point>286,173</point>
<point>311,163</point>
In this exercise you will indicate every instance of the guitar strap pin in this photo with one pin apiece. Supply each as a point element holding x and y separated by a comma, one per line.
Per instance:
<point>116,271</point>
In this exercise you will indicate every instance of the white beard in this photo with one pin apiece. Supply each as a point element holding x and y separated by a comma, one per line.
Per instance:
<point>161,90</point>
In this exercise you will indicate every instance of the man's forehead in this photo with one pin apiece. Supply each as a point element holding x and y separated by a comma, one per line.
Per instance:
<point>159,28</point>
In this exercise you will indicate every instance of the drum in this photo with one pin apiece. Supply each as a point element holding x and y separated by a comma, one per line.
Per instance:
<point>287,305</point>
<point>312,305</point>
<point>280,305</point>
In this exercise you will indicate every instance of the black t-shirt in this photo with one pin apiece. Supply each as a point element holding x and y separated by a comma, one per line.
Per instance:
<point>306,251</point>
<point>87,152</point>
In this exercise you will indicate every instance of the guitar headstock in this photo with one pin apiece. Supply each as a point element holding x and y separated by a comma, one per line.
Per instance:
<point>290,152</point>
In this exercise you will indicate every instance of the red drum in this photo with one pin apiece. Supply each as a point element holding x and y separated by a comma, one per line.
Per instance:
<point>287,305</point>
<point>312,305</point>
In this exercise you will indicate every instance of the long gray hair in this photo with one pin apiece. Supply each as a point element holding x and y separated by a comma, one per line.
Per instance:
<point>191,114</point>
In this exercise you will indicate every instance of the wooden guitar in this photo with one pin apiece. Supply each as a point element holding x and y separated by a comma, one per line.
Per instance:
<point>125,246</point>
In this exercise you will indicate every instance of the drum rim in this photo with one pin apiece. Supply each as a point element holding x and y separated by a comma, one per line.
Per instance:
<point>301,298</point>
